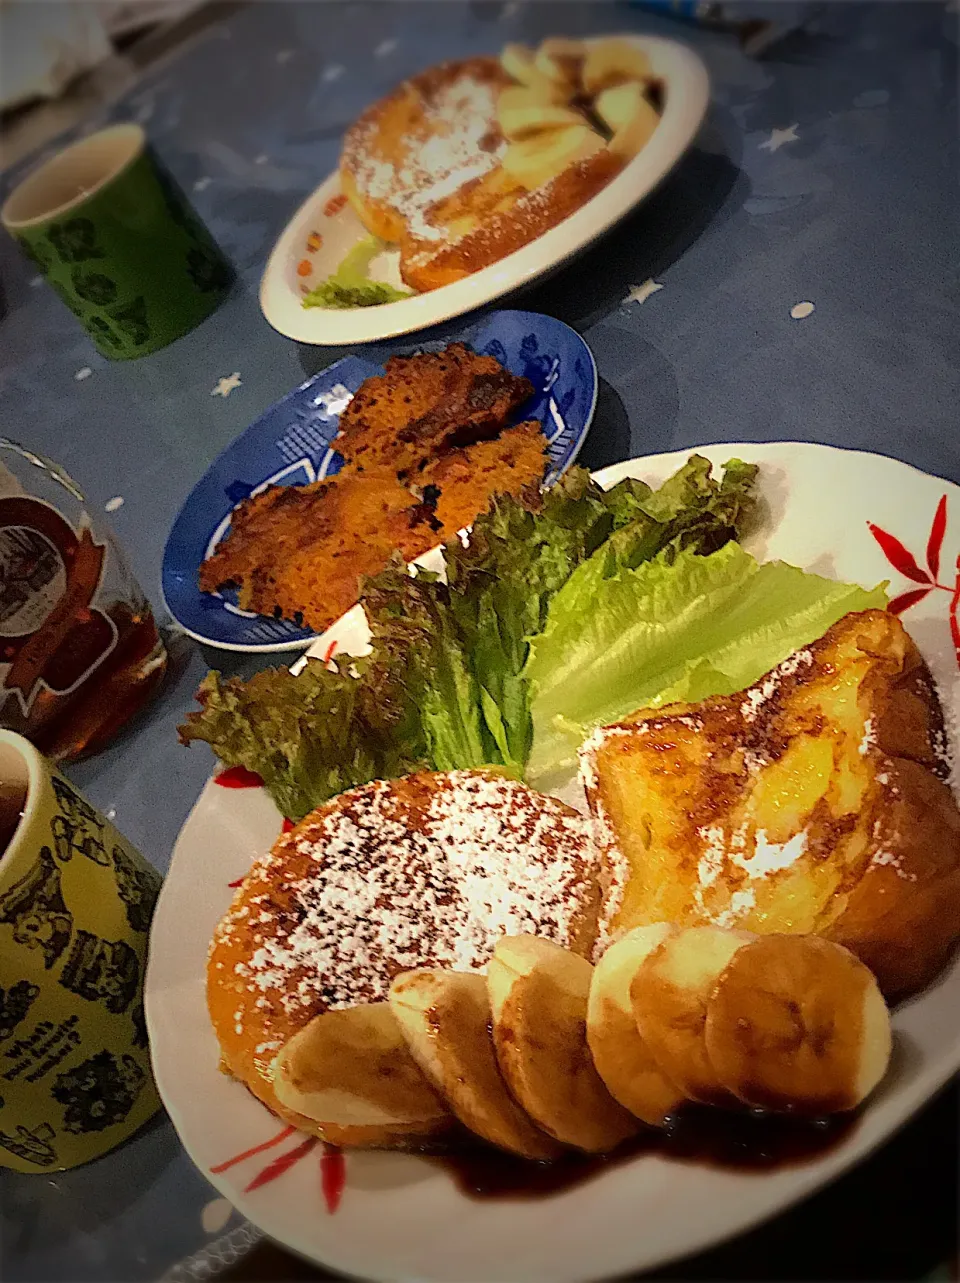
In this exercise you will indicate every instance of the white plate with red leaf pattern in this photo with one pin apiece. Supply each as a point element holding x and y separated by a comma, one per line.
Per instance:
<point>387,1216</point>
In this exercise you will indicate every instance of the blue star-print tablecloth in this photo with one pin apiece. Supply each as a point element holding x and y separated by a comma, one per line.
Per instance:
<point>795,278</point>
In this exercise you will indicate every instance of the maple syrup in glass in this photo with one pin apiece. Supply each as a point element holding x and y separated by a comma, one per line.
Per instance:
<point>80,652</point>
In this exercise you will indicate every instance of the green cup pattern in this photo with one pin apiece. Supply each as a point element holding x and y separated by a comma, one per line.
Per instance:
<point>133,261</point>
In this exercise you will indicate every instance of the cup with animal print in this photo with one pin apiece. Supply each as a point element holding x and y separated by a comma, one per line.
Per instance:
<point>75,907</point>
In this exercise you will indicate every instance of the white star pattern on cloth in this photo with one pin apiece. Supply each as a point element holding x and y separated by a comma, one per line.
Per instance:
<point>801,310</point>
<point>113,504</point>
<point>82,374</point>
<point>202,184</point>
<point>384,47</point>
<point>262,159</point>
<point>36,282</point>
<point>226,385</point>
<point>780,136</point>
<point>640,293</point>
<point>332,73</point>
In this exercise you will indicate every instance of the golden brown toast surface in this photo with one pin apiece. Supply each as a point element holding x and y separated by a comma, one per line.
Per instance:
<point>424,871</point>
<point>424,168</point>
<point>423,141</point>
<point>813,801</point>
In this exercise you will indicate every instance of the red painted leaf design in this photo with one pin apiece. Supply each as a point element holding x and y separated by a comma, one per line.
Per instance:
<point>954,606</point>
<point>333,1176</point>
<point>935,542</point>
<point>287,825</point>
<point>330,651</point>
<point>906,600</point>
<point>233,885</point>
<point>238,777</point>
<point>897,555</point>
<point>281,1164</point>
<point>257,1149</point>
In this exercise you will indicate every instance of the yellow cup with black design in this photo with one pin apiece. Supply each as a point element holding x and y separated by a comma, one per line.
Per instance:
<point>75,905</point>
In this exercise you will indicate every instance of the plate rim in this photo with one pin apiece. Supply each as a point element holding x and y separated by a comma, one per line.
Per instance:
<point>282,308</point>
<point>815,1175</point>
<point>299,645</point>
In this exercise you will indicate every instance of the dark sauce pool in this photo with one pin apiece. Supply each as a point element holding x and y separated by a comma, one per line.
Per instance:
<point>709,1137</point>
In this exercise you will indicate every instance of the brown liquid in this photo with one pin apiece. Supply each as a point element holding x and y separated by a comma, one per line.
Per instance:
<point>12,801</point>
<point>84,721</point>
<point>709,1137</point>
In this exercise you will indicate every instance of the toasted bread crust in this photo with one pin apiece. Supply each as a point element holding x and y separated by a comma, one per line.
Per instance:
<point>428,870</point>
<point>813,801</point>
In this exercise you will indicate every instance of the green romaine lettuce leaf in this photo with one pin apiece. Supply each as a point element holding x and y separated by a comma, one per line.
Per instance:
<point>680,627</point>
<point>350,285</point>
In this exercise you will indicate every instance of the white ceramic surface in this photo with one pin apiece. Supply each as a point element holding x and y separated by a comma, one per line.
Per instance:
<point>401,1218</point>
<point>685,101</point>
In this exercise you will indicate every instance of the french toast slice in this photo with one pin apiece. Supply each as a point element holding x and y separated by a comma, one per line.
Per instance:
<point>814,801</point>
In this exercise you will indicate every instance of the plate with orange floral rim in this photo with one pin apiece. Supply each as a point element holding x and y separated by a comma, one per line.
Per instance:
<point>390,1216</point>
<point>325,228</point>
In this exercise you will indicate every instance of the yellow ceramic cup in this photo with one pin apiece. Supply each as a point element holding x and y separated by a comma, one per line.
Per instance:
<point>75,906</point>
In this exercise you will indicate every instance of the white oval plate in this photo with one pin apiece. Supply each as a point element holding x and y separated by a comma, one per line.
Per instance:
<point>685,101</point>
<point>401,1217</point>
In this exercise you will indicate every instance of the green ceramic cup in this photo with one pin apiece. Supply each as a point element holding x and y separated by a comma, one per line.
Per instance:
<point>118,241</point>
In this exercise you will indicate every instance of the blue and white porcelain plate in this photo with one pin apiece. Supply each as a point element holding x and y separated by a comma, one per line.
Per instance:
<point>291,444</point>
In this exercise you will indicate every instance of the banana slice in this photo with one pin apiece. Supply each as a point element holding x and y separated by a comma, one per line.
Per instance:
<point>798,1023</point>
<point>636,116</point>
<point>670,993</point>
<point>445,1019</point>
<point>522,112</point>
<point>351,1069</point>
<point>560,60</point>
<point>538,996</point>
<point>519,63</point>
<point>611,62</point>
<point>535,161</point>
<point>622,1058</point>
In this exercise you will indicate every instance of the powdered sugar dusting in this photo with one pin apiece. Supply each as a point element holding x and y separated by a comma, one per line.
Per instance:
<point>399,881</point>
<point>457,143</point>
<point>759,695</point>
<point>720,853</point>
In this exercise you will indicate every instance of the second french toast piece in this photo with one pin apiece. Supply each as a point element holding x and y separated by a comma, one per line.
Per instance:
<point>813,801</point>
<point>427,403</point>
